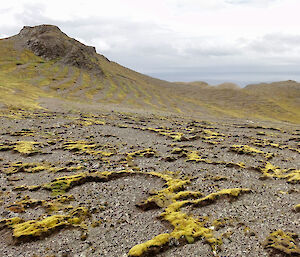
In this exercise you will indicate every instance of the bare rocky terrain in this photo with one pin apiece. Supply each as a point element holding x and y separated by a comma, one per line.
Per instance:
<point>106,178</point>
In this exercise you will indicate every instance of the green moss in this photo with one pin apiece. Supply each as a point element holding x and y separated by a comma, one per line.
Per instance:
<point>189,239</point>
<point>61,185</point>
<point>282,241</point>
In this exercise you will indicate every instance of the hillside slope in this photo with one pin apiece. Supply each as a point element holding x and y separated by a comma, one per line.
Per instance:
<point>44,62</point>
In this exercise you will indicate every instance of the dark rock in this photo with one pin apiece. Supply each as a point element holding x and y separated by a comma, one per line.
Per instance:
<point>50,43</point>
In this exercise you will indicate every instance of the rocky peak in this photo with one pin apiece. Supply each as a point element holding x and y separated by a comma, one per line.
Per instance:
<point>50,43</point>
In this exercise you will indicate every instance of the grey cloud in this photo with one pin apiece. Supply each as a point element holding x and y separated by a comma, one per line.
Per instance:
<point>213,51</point>
<point>150,47</point>
<point>257,3</point>
<point>4,10</point>
<point>277,44</point>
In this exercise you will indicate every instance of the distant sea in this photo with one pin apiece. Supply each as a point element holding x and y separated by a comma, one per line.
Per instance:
<point>240,78</point>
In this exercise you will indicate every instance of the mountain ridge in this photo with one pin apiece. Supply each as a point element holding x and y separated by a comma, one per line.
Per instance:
<point>42,61</point>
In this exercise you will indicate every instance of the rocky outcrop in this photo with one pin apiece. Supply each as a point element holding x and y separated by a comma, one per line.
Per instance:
<point>50,43</point>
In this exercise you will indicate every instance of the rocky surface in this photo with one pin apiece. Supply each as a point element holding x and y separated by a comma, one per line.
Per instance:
<point>110,163</point>
<point>50,43</point>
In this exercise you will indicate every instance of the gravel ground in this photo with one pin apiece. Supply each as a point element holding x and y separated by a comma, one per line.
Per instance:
<point>115,224</point>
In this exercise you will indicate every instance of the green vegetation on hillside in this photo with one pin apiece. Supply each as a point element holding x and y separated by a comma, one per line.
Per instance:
<point>26,77</point>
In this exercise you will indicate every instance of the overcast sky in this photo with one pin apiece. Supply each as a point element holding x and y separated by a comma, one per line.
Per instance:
<point>214,40</point>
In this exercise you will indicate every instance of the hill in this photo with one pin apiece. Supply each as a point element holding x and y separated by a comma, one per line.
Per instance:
<point>99,160</point>
<point>43,62</point>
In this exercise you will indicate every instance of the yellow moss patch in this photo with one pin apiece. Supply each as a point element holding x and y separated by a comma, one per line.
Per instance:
<point>85,147</point>
<point>178,150</point>
<point>55,204</point>
<point>23,132</point>
<point>143,153</point>
<point>164,197</point>
<point>224,192</point>
<point>187,194</point>
<point>184,226</point>
<point>140,249</point>
<point>25,147</point>
<point>62,184</point>
<point>10,222</point>
<point>79,146</point>
<point>269,170</point>
<point>37,228</point>
<point>264,142</point>
<point>193,156</point>
<point>211,137</point>
<point>220,223</point>
<point>176,136</point>
<point>37,167</point>
<point>245,149</point>
<point>215,178</point>
<point>89,121</point>
<point>6,147</point>
<point>282,241</point>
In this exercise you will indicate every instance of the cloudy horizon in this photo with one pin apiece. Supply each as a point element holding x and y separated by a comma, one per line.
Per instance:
<point>242,41</point>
